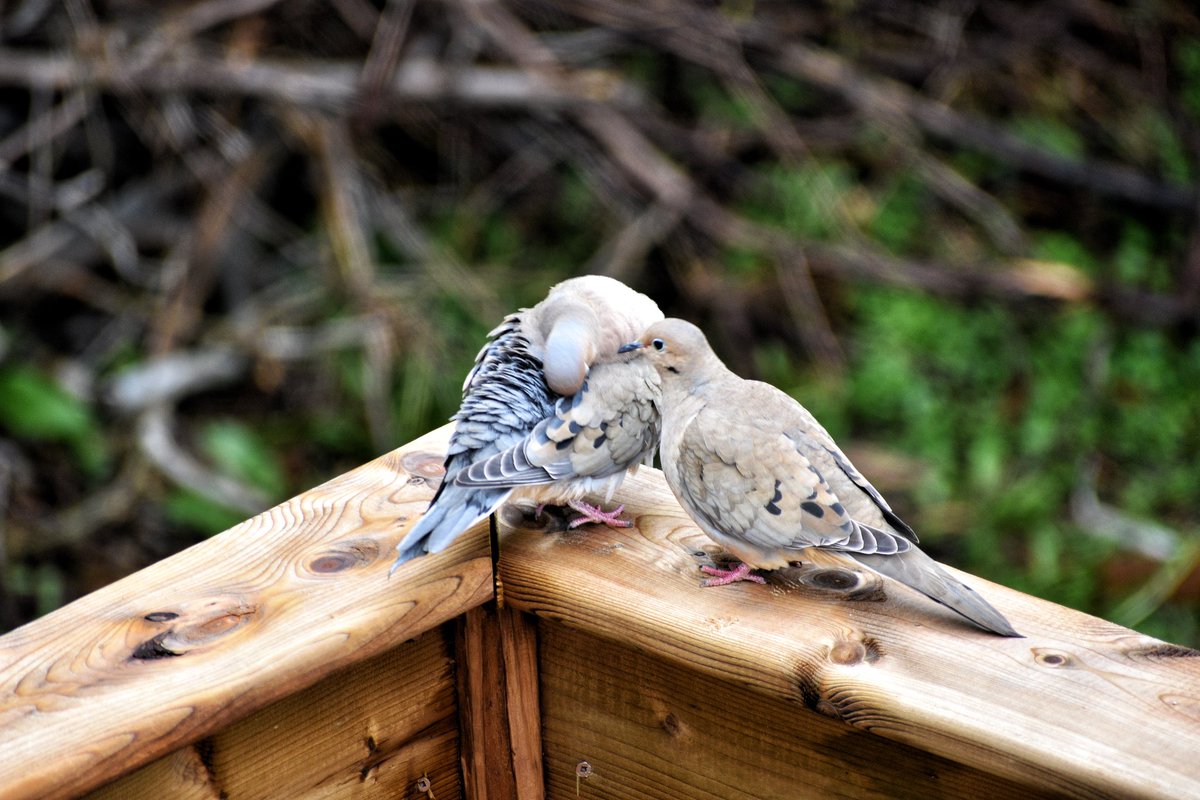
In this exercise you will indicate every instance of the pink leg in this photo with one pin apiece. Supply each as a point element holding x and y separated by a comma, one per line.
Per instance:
<point>726,576</point>
<point>595,514</point>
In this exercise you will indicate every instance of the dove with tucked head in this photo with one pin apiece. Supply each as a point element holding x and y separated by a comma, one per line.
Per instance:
<point>764,479</point>
<point>550,412</point>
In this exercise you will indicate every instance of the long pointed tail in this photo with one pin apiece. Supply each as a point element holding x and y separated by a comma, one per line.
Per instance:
<point>922,573</point>
<point>453,510</point>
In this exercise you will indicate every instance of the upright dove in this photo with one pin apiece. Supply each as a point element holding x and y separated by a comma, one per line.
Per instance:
<point>765,480</point>
<point>550,412</point>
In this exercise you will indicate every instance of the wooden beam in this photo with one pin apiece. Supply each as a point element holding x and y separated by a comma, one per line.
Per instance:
<point>499,718</point>
<point>656,730</point>
<point>1081,707</point>
<point>367,732</point>
<point>519,643</point>
<point>171,654</point>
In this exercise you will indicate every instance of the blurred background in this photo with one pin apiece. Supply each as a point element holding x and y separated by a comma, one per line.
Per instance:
<point>247,245</point>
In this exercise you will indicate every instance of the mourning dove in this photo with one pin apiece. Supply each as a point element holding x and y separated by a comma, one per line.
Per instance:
<point>759,474</point>
<point>550,412</point>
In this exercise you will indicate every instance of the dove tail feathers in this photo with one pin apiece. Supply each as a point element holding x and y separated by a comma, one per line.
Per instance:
<point>916,569</point>
<point>453,510</point>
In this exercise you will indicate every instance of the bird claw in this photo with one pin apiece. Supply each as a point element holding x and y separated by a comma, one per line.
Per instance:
<point>722,577</point>
<point>595,514</point>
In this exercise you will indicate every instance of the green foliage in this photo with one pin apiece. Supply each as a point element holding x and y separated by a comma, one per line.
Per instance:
<point>791,94</point>
<point>1187,61</point>
<point>32,406</point>
<point>803,199</point>
<point>240,452</point>
<point>1138,261</point>
<point>1062,246</point>
<point>1149,137</point>
<point>1050,134</point>
<point>43,582</point>
<point>187,509</point>
<point>1008,409</point>
<point>901,215</point>
<point>1152,424</point>
<point>716,107</point>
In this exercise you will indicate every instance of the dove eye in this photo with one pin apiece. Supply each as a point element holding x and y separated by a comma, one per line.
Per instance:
<point>658,344</point>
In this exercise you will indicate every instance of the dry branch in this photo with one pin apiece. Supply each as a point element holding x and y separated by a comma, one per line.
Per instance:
<point>329,86</point>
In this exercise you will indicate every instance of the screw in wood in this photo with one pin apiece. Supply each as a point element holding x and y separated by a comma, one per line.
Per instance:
<point>425,786</point>
<point>583,770</point>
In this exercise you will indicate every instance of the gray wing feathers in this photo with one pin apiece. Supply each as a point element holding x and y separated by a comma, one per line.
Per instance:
<point>914,568</point>
<point>454,509</point>
<point>857,478</point>
<point>610,425</point>
<point>504,396</point>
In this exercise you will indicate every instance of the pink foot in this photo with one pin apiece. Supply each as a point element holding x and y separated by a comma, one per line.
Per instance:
<point>726,576</point>
<point>595,514</point>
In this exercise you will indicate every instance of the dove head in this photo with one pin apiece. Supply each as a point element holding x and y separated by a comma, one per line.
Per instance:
<point>678,350</point>
<point>570,345</point>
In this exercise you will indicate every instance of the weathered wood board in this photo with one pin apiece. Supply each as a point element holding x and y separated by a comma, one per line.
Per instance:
<point>369,731</point>
<point>193,643</point>
<point>499,719</point>
<point>652,729</point>
<point>1080,707</point>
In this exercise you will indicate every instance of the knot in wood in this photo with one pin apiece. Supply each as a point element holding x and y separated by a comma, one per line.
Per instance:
<point>835,579</point>
<point>848,653</point>
<point>828,709</point>
<point>512,516</point>
<point>423,465</point>
<point>344,555</point>
<point>195,624</point>
<point>1054,659</point>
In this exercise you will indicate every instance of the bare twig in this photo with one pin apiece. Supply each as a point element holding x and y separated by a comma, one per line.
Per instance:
<point>384,57</point>
<point>890,102</point>
<point>621,253</point>
<point>330,86</point>
<point>157,442</point>
<point>808,313</point>
<point>169,378</point>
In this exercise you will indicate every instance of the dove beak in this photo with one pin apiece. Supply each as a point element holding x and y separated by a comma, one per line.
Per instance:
<point>626,348</point>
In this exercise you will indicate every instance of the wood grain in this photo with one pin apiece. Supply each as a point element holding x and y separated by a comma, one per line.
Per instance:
<point>651,729</point>
<point>1081,707</point>
<point>483,715</point>
<point>519,644</point>
<point>367,731</point>
<point>187,646</point>
<point>499,718</point>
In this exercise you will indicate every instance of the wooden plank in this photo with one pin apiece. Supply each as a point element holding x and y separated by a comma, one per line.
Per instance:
<point>651,729</point>
<point>483,717</point>
<point>368,731</point>
<point>1081,707</point>
<point>518,639</point>
<point>499,717</point>
<point>187,646</point>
